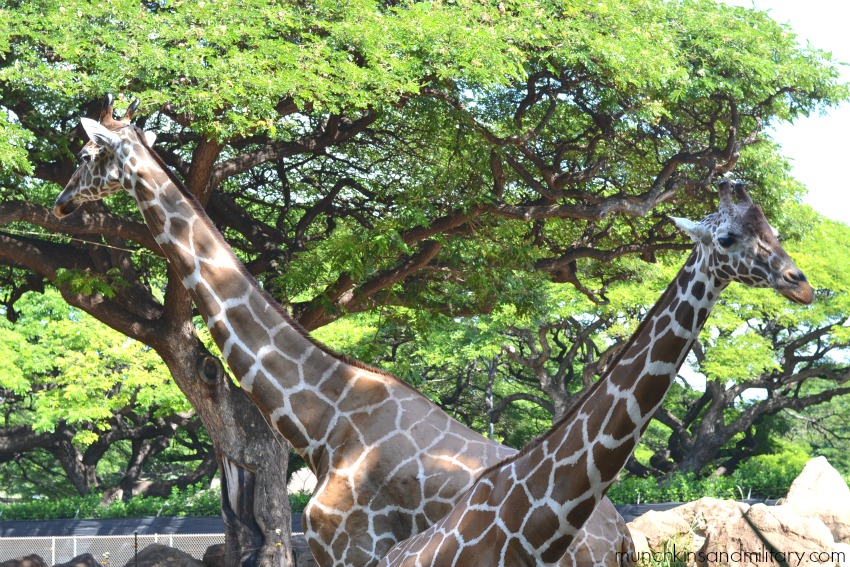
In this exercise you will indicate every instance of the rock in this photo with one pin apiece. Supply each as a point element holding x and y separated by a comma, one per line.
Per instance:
<point>712,532</point>
<point>660,528</point>
<point>84,560</point>
<point>214,555</point>
<point>764,533</point>
<point>820,492</point>
<point>709,511</point>
<point>640,541</point>
<point>32,560</point>
<point>685,525</point>
<point>301,551</point>
<point>305,560</point>
<point>158,555</point>
<point>842,554</point>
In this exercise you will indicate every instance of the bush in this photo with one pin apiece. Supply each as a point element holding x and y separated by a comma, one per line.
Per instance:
<point>763,477</point>
<point>770,476</point>
<point>298,501</point>
<point>635,490</point>
<point>195,500</point>
<point>678,488</point>
<point>47,508</point>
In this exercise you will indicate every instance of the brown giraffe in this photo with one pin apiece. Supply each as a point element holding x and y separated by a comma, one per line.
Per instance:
<point>389,462</point>
<point>528,509</point>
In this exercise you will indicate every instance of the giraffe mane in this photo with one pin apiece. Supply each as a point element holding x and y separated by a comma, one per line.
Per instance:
<point>196,205</point>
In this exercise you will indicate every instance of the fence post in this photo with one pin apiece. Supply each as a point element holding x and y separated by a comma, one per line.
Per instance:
<point>53,551</point>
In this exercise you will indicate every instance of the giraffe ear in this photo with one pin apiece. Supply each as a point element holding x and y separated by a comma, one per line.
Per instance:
<point>100,135</point>
<point>696,231</point>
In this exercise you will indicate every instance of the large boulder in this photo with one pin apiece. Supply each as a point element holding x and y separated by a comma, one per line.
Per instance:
<point>32,560</point>
<point>656,529</point>
<point>305,560</point>
<point>767,535</point>
<point>711,532</point>
<point>685,526</point>
<point>303,556</point>
<point>820,492</point>
<point>158,555</point>
<point>708,513</point>
<point>84,560</point>
<point>214,555</point>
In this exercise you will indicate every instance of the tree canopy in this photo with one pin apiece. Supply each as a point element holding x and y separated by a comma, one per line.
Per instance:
<point>347,148</point>
<point>512,373</point>
<point>451,158</point>
<point>83,398</point>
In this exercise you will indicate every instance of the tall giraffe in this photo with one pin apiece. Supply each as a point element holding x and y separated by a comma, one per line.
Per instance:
<point>528,509</point>
<point>389,462</point>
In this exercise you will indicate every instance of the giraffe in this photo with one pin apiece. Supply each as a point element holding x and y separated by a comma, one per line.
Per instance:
<point>528,509</point>
<point>389,462</point>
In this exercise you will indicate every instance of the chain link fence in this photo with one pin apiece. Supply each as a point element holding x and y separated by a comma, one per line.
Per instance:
<point>110,551</point>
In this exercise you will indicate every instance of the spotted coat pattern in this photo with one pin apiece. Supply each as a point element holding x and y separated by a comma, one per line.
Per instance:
<point>529,509</point>
<point>389,462</point>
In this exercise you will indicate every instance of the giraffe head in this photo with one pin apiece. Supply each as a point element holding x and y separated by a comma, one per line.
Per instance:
<point>107,159</point>
<point>743,247</point>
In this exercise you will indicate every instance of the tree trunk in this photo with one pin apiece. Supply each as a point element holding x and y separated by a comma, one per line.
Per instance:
<point>702,453</point>
<point>133,485</point>
<point>81,475</point>
<point>711,434</point>
<point>252,457</point>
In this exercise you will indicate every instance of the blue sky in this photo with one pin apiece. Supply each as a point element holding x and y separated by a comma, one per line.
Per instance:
<point>817,146</point>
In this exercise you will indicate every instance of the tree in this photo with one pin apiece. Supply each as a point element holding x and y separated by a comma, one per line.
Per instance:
<point>435,156</point>
<point>92,400</point>
<point>795,359</point>
<point>824,431</point>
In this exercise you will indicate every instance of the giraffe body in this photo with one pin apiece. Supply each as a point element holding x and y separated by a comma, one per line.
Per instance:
<point>389,462</point>
<point>529,509</point>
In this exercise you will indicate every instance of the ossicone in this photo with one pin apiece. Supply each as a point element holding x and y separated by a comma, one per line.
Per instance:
<point>106,113</point>
<point>724,190</point>
<point>130,111</point>
<point>106,108</point>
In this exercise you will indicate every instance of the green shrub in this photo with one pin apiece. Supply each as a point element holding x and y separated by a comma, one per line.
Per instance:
<point>770,476</point>
<point>635,490</point>
<point>48,508</point>
<point>195,500</point>
<point>678,488</point>
<point>298,501</point>
<point>764,476</point>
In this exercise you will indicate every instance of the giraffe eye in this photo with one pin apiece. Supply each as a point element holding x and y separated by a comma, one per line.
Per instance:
<point>727,241</point>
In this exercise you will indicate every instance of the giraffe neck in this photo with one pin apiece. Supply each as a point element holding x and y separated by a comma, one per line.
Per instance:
<point>294,381</point>
<point>593,443</point>
<point>538,500</point>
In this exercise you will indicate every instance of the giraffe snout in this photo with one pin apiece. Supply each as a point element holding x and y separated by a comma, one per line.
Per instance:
<point>795,286</point>
<point>64,206</point>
